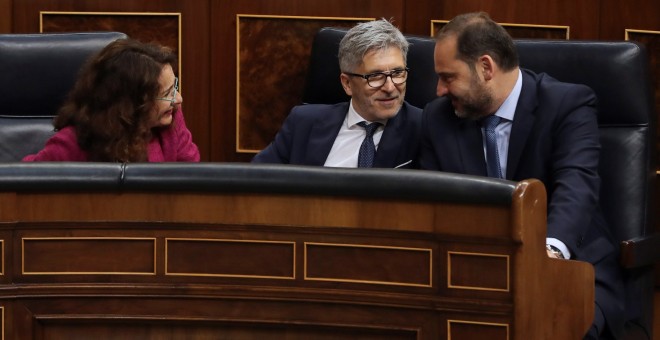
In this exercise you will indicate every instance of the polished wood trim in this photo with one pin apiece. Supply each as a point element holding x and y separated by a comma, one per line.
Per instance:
<point>630,30</point>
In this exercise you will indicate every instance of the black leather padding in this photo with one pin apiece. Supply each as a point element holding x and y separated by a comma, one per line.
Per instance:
<point>37,70</point>
<point>422,80</point>
<point>618,73</point>
<point>22,135</point>
<point>323,85</point>
<point>404,184</point>
<point>60,176</point>
<point>36,73</point>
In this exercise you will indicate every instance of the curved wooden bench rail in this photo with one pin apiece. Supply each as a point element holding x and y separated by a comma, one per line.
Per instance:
<point>237,177</point>
<point>211,250</point>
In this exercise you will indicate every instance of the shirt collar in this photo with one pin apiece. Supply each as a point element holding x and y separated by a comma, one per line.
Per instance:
<point>508,109</point>
<point>353,117</point>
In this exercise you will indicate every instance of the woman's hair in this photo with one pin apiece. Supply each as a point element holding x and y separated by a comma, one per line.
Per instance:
<point>112,103</point>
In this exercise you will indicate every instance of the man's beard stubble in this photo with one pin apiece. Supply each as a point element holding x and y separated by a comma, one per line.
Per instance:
<point>475,104</point>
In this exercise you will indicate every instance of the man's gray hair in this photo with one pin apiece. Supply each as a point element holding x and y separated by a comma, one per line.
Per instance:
<point>366,37</point>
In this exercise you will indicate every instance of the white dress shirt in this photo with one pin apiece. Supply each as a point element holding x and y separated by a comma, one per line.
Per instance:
<point>345,149</point>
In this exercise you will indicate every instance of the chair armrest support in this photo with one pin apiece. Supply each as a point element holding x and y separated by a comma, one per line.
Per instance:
<point>640,252</point>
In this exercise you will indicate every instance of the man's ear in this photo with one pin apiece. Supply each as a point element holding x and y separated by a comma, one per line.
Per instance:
<point>487,66</point>
<point>346,84</point>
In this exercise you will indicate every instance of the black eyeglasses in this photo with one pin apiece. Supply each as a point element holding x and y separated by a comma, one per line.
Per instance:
<point>378,79</point>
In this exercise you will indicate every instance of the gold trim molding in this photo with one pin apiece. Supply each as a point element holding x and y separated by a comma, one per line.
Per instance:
<point>629,30</point>
<point>2,264</point>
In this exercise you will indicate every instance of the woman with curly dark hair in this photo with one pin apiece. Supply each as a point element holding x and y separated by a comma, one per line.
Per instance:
<point>124,107</point>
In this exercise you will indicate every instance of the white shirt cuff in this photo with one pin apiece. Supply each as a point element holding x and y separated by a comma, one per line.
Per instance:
<point>559,245</point>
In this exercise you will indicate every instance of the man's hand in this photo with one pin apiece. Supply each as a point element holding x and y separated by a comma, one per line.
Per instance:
<point>553,252</point>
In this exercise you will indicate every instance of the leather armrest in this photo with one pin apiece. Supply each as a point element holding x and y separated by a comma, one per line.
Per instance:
<point>640,252</point>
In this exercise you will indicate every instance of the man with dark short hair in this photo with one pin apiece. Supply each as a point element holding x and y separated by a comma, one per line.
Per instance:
<point>495,119</point>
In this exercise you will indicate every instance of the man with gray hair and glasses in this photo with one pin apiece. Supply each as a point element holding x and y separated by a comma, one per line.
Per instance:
<point>377,128</point>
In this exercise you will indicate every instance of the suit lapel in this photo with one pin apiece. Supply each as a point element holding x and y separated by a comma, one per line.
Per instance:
<point>470,145</point>
<point>322,135</point>
<point>391,141</point>
<point>523,122</point>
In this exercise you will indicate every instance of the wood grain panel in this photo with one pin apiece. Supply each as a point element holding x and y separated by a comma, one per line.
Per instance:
<point>230,258</point>
<point>244,209</point>
<point>418,14</point>
<point>461,329</point>
<point>369,264</point>
<point>464,271</point>
<point>615,16</point>
<point>5,16</point>
<point>127,329</point>
<point>137,318</point>
<point>576,14</point>
<point>88,256</point>
<point>273,59</point>
<point>160,28</point>
<point>521,31</point>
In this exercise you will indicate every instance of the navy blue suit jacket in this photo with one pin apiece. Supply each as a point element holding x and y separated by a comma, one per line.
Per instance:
<point>309,132</point>
<point>554,138</point>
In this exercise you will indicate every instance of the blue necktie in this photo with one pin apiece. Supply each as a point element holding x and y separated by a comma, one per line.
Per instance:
<point>492,155</point>
<point>368,148</point>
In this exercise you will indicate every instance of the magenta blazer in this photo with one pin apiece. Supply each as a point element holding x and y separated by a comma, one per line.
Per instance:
<point>171,144</point>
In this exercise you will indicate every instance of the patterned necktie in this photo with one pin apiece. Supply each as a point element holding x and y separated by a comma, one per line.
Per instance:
<point>492,155</point>
<point>368,148</point>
